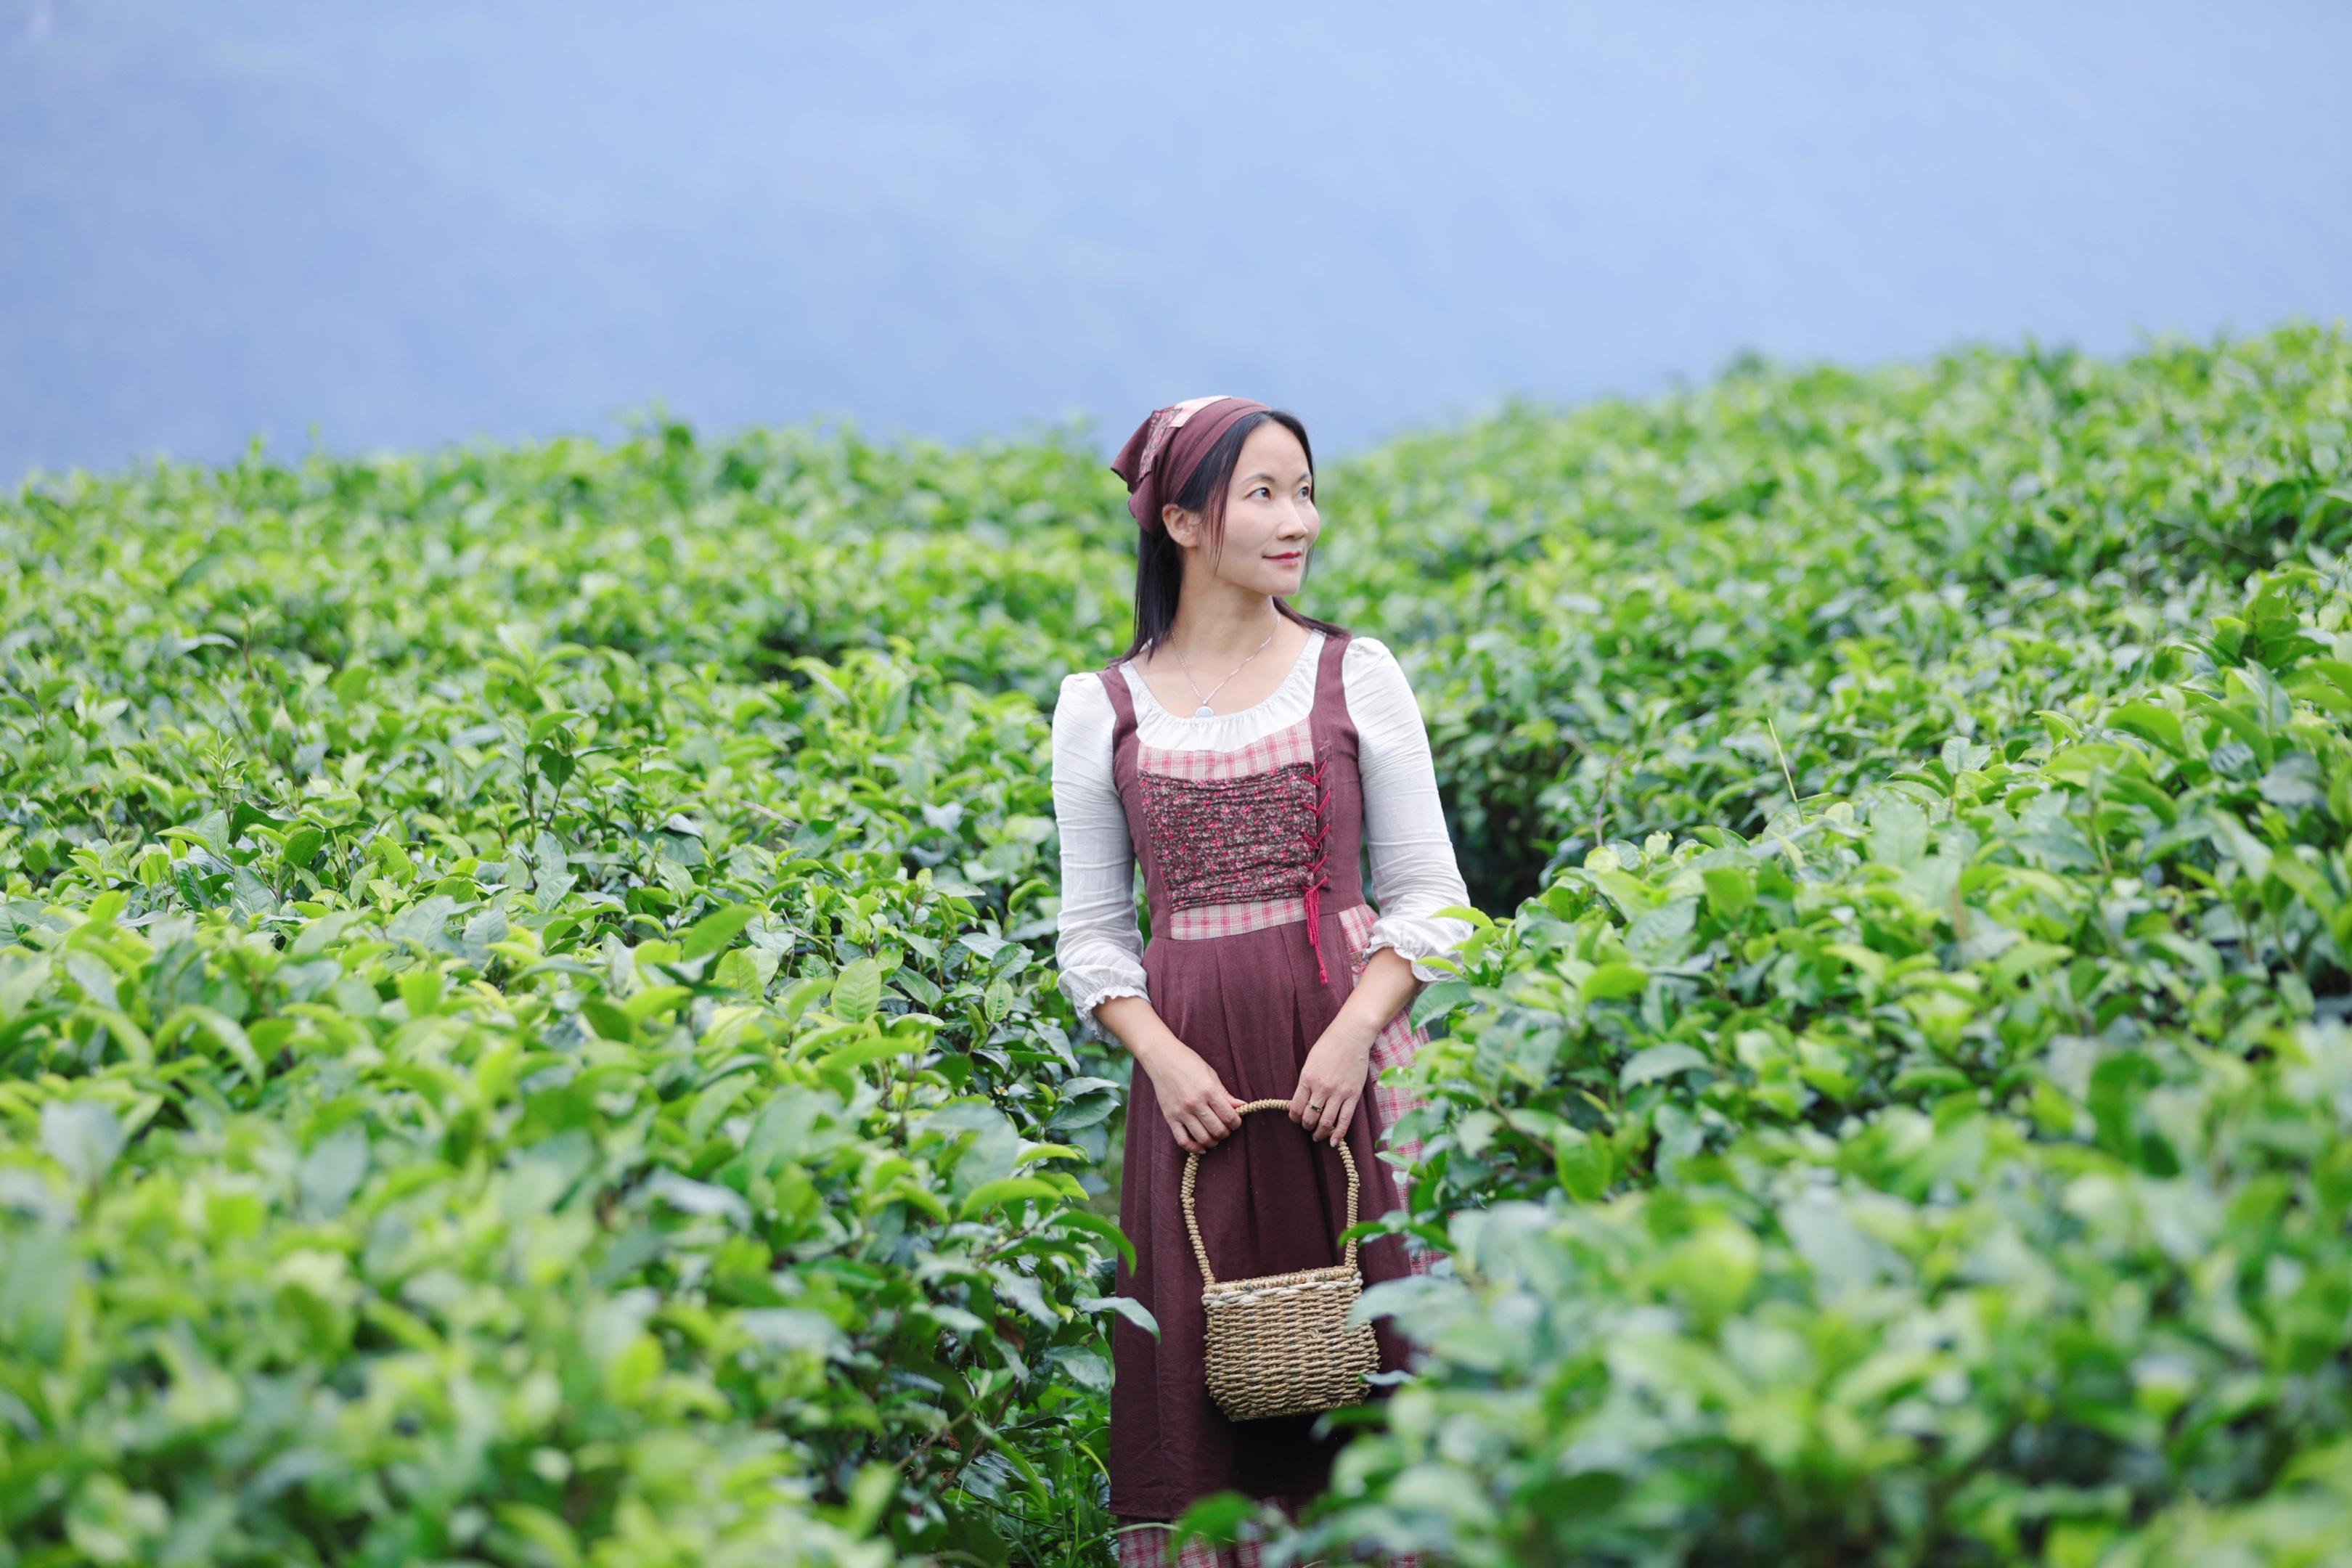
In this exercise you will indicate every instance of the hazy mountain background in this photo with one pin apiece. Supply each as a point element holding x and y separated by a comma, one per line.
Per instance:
<point>412,223</point>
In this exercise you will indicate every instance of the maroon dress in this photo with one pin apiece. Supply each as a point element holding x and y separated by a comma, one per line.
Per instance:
<point>1258,926</point>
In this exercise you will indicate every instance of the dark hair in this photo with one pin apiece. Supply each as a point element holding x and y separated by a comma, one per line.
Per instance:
<point>1160,560</point>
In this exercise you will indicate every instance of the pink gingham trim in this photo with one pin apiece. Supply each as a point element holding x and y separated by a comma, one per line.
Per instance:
<point>1209,921</point>
<point>1145,1545</point>
<point>1279,750</point>
<point>1393,1050</point>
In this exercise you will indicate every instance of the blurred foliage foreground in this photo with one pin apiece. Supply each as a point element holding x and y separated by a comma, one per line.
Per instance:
<point>525,1034</point>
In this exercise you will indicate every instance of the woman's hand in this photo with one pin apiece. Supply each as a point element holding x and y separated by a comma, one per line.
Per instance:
<point>1338,1068</point>
<point>1201,1111</point>
<point>1333,1081</point>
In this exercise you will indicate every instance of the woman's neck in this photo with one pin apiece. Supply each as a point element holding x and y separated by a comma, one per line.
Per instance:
<point>1222,626</point>
<point>1225,652</point>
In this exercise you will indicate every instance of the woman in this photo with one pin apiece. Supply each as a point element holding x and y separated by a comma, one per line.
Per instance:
<point>1244,754</point>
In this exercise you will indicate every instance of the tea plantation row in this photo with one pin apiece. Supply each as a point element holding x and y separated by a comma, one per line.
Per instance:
<point>529,1037</point>
<point>508,1060</point>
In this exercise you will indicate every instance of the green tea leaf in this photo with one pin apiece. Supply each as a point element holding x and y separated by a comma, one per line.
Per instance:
<point>1007,1190</point>
<point>857,990</point>
<point>1610,981</point>
<point>1126,1306</point>
<point>2152,723</point>
<point>712,932</point>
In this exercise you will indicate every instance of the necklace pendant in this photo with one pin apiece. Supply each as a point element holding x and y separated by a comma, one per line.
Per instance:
<point>1204,711</point>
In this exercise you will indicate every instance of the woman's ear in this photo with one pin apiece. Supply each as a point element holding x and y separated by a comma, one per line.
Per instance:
<point>1183,527</point>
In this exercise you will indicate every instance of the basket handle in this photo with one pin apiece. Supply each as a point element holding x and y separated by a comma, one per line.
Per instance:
<point>1192,1174</point>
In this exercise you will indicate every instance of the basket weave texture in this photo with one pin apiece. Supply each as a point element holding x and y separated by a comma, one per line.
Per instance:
<point>1280,1344</point>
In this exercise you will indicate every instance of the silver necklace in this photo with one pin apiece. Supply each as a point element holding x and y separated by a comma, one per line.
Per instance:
<point>1204,710</point>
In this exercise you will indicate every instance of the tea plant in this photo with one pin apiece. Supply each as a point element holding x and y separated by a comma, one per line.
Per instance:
<point>525,1033</point>
<point>1940,1166</point>
<point>505,1097</point>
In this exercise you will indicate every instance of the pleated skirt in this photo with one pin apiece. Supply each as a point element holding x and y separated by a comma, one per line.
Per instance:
<point>1269,1201</point>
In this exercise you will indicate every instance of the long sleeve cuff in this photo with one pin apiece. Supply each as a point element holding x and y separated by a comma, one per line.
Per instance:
<point>1419,939</point>
<point>1088,987</point>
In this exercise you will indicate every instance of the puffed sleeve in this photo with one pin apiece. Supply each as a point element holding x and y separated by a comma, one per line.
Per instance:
<point>1099,949</point>
<point>1413,866</point>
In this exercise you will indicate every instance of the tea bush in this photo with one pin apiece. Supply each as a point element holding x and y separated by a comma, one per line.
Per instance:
<point>527,1036</point>
<point>1943,1165</point>
<point>1603,610</point>
<point>476,1093</point>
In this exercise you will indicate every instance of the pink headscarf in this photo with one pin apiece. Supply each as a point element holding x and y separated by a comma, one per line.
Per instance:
<point>1159,459</point>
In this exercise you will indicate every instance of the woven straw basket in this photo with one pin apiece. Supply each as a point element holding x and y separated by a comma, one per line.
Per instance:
<point>1280,1345</point>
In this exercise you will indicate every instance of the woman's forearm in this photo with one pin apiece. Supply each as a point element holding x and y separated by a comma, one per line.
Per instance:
<point>1135,1024</point>
<point>1387,988</point>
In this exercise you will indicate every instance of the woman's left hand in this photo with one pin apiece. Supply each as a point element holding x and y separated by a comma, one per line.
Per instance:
<point>1338,1070</point>
<point>1333,1081</point>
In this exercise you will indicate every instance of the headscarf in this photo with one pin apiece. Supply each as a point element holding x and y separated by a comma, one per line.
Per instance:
<point>1160,459</point>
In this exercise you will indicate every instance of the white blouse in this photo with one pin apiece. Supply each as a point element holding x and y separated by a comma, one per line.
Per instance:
<point>1100,947</point>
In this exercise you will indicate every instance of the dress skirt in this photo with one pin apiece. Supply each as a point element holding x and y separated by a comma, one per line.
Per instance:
<point>1270,1201</point>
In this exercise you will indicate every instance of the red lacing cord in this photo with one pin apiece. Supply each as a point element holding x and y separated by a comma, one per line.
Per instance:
<point>1316,877</point>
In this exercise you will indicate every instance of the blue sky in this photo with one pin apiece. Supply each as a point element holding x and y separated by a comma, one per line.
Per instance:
<point>405,225</point>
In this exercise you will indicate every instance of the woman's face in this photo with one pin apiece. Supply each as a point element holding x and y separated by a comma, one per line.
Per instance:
<point>1270,518</point>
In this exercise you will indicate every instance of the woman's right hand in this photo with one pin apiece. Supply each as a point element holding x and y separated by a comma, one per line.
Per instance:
<point>1200,1110</point>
